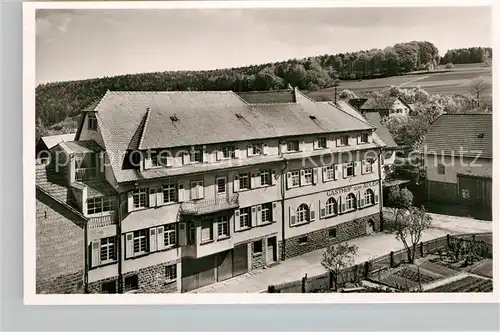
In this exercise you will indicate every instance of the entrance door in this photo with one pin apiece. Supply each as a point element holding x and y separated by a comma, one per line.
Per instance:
<point>240,259</point>
<point>225,265</point>
<point>271,250</point>
<point>474,190</point>
<point>370,225</point>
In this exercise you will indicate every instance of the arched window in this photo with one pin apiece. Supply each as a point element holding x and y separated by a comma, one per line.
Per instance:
<point>350,202</point>
<point>369,197</point>
<point>302,213</point>
<point>331,206</point>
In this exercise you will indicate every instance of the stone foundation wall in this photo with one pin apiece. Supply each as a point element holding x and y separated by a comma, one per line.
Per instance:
<point>96,287</point>
<point>152,279</point>
<point>329,236</point>
<point>259,259</point>
<point>64,284</point>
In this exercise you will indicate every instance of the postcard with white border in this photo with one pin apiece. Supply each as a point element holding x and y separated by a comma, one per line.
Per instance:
<point>259,152</point>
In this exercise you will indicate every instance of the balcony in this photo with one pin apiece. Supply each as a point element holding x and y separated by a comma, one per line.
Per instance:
<point>85,174</point>
<point>210,205</point>
<point>110,218</point>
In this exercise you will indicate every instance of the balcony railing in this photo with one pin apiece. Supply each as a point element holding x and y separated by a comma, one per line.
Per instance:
<point>84,174</point>
<point>103,220</point>
<point>210,205</point>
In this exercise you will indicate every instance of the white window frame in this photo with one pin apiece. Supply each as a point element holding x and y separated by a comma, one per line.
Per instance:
<point>293,145</point>
<point>245,218</point>
<point>368,164</point>
<point>265,174</point>
<point>350,165</point>
<point>198,184</point>
<point>331,207</point>
<point>171,273</point>
<point>218,186</point>
<point>228,152</point>
<point>266,210</point>
<point>168,191</point>
<point>256,149</point>
<point>104,203</point>
<point>142,198</point>
<point>170,235</point>
<point>222,226</point>
<point>141,236</point>
<point>343,140</point>
<point>369,197</point>
<point>108,249</point>
<point>348,201</point>
<point>362,138</point>
<point>330,173</point>
<point>322,139</point>
<point>195,151</point>
<point>303,214</point>
<point>308,174</point>
<point>241,179</point>
<point>159,159</point>
<point>295,175</point>
<point>92,121</point>
<point>207,224</point>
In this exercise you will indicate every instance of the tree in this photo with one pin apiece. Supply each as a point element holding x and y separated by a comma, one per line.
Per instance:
<point>399,200</point>
<point>478,85</point>
<point>409,228</point>
<point>337,258</point>
<point>347,94</point>
<point>449,66</point>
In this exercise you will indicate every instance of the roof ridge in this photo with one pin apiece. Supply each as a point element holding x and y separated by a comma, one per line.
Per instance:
<point>352,116</point>
<point>266,91</point>
<point>63,203</point>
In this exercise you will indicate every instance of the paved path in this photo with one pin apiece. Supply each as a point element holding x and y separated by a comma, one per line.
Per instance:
<point>370,246</point>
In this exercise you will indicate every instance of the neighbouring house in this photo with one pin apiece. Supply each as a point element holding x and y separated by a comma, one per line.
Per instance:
<point>45,143</point>
<point>387,106</point>
<point>173,191</point>
<point>458,152</point>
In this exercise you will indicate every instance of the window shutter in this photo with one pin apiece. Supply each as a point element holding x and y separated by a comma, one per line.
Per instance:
<point>359,139</point>
<point>336,172</point>
<point>359,200</point>
<point>236,220</point>
<point>362,202</point>
<point>219,153</point>
<point>181,193</point>
<point>344,170</point>
<point>273,177</point>
<point>152,197</point>
<point>293,217</point>
<point>302,177</point>
<point>264,149</point>
<point>182,234</point>
<point>376,199</point>
<point>160,238</point>
<point>96,253</point>
<point>253,217</point>
<point>130,201</point>
<point>338,141</point>
<point>129,245</point>
<point>289,180</point>
<point>201,190</point>
<point>194,190</point>
<point>322,210</point>
<point>356,164</point>
<point>275,212</point>
<point>315,144</point>
<point>152,239</point>
<point>363,167</point>
<point>258,216</point>
<point>159,196</point>
<point>341,206</point>
<point>315,175</point>
<point>312,212</point>
<point>302,144</point>
<point>205,154</point>
<point>253,180</point>
<point>185,158</point>
<point>236,183</point>
<point>249,150</point>
<point>147,162</point>
<point>258,180</point>
<point>170,160</point>
<point>283,147</point>
<point>324,168</point>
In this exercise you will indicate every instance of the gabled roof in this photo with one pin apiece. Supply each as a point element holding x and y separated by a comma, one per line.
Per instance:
<point>383,103</point>
<point>266,97</point>
<point>187,118</point>
<point>51,141</point>
<point>375,120</point>
<point>80,147</point>
<point>465,134</point>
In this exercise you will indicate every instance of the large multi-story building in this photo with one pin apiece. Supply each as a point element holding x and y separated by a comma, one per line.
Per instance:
<point>172,191</point>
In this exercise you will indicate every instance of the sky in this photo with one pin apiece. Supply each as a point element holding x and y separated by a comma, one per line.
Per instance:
<point>80,44</point>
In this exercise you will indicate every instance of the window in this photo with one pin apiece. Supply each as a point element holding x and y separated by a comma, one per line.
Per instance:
<point>109,287</point>
<point>131,283</point>
<point>350,169</point>
<point>441,169</point>
<point>292,145</point>
<point>100,204</point>
<point>257,247</point>
<point>222,226</point>
<point>368,165</point>
<point>245,218</point>
<point>171,272</point>
<point>343,140</point>
<point>303,213</point>
<point>108,249</point>
<point>92,121</point>
<point>256,149</point>
<point>140,198</point>
<point>197,189</point>
<point>266,212</point>
<point>140,244</point>
<point>192,234</point>
<point>321,142</point>
<point>206,231</point>
<point>332,232</point>
<point>169,193</point>
<point>159,159</point>
<point>331,207</point>
<point>303,240</point>
<point>350,202</point>
<point>295,178</point>
<point>265,178</point>
<point>170,235</point>
<point>196,154</point>
<point>364,138</point>
<point>369,197</point>
<point>329,173</point>
<point>221,185</point>
<point>465,194</point>
<point>228,152</point>
<point>308,176</point>
<point>244,179</point>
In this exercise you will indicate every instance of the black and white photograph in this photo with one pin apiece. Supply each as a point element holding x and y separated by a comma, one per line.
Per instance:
<point>260,151</point>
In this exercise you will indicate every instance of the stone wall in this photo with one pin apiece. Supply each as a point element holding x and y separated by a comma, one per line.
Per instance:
<point>96,287</point>
<point>60,248</point>
<point>259,259</point>
<point>329,236</point>
<point>152,279</point>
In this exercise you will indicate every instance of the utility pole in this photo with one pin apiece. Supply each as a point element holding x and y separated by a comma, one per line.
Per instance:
<point>335,85</point>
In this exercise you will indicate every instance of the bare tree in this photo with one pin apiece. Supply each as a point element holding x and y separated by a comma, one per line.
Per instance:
<point>409,228</point>
<point>478,85</point>
<point>338,257</point>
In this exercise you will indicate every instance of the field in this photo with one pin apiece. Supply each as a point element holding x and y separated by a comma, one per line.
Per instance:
<point>457,81</point>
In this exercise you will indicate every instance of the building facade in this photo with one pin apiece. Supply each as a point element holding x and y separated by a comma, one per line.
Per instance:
<point>180,190</point>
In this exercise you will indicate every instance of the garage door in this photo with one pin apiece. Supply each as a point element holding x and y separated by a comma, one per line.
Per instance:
<point>197,273</point>
<point>474,190</point>
<point>240,259</point>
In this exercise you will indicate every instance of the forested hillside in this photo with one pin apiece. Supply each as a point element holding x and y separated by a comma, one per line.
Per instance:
<point>467,55</point>
<point>58,101</point>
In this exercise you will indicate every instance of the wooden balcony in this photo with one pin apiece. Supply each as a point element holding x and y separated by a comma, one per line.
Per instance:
<point>110,218</point>
<point>85,174</point>
<point>210,205</point>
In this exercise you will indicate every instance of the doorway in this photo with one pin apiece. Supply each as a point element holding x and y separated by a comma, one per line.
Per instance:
<point>271,250</point>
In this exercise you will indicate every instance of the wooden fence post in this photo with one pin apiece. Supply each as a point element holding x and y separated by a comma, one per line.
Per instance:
<point>391,256</point>
<point>421,249</point>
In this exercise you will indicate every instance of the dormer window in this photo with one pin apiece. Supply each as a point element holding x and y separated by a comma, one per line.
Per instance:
<point>196,154</point>
<point>363,138</point>
<point>292,145</point>
<point>343,140</point>
<point>92,121</point>
<point>159,158</point>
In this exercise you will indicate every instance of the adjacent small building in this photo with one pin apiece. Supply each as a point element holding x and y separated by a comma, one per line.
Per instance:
<point>458,153</point>
<point>45,143</point>
<point>387,106</point>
